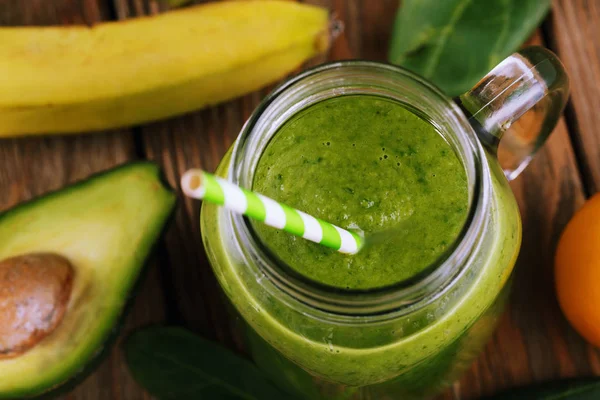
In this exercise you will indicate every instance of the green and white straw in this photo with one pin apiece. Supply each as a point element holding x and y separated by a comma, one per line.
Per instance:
<point>199,184</point>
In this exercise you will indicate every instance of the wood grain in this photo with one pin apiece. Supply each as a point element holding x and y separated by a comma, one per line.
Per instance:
<point>33,166</point>
<point>575,33</point>
<point>534,342</point>
<point>199,139</point>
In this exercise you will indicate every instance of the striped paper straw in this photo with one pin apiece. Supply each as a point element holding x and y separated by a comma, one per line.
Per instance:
<point>199,184</point>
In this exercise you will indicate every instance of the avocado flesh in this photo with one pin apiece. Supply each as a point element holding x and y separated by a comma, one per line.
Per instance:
<point>106,226</point>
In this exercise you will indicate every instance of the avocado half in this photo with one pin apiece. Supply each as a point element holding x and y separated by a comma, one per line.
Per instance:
<point>105,227</point>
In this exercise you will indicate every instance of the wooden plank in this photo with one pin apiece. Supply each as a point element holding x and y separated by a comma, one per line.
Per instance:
<point>533,342</point>
<point>575,33</point>
<point>33,166</point>
<point>199,139</point>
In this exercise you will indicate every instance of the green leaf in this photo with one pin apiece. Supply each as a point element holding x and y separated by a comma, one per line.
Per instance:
<point>172,363</point>
<point>454,43</point>
<point>568,389</point>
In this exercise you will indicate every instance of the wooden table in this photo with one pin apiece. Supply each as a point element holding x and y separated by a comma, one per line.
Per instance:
<point>534,341</point>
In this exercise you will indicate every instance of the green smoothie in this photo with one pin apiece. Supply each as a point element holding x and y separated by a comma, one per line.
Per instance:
<point>370,164</point>
<point>365,163</point>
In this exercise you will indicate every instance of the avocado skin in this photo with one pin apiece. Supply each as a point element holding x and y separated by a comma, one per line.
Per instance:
<point>66,386</point>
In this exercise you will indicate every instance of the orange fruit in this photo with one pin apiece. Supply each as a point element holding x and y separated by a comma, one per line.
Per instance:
<point>577,271</point>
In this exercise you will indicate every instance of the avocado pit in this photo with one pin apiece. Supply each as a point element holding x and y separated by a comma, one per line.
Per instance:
<point>34,294</point>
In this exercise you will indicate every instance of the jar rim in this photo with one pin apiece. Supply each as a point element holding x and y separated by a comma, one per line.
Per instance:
<point>418,290</point>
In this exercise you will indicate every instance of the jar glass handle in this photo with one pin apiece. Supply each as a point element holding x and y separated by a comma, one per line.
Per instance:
<point>515,107</point>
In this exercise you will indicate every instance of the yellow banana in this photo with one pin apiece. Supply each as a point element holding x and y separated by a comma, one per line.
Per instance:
<point>74,79</point>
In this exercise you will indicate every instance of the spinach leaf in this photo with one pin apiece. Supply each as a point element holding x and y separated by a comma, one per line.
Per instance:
<point>454,43</point>
<point>568,389</point>
<point>172,363</point>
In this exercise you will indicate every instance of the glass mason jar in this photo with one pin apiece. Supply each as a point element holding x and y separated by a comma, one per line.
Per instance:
<point>408,340</point>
